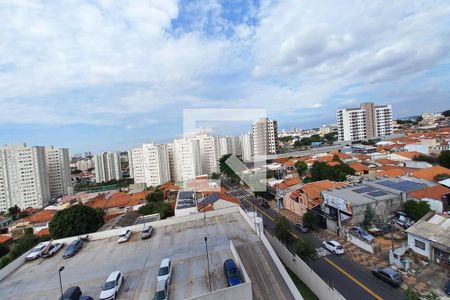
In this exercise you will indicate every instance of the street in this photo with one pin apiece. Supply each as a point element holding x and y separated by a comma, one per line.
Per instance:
<point>352,280</point>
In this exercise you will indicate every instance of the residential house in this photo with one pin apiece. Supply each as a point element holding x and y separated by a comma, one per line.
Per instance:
<point>217,200</point>
<point>430,173</point>
<point>360,169</point>
<point>430,238</point>
<point>403,156</point>
<point>438,197</point>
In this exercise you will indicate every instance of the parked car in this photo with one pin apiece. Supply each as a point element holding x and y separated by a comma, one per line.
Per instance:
<point>265,204</point>
<point>72,293</point>
<point>162,291</point>
<point>73,248</point>
<point>124,236</point>
<point>86,298</point>
<point>165,270</point>
<point>447,288</point>
<point>52,250</point>
<point>232,274</point>
<point>146,232</point>
<point>333,247</point>
<point>362,234</point>
<point>112,286</point>
<point>402,219</point>
<point>302,228</point>
<point>387,274</point>
<point>36,252</point>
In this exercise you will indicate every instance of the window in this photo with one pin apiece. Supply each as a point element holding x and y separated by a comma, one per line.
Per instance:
<point>419,244</point>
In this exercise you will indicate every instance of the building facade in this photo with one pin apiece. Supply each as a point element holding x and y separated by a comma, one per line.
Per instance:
<point>265,135</point>
<point>58,164</point>
<point>107,166</point>
<point>246,146</point>
<point>24,179</point>
<point>209,153</point>
<point>366,122</point>
<point>186,159</point>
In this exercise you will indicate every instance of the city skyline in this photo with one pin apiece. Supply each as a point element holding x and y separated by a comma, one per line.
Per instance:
<point>119,75</point>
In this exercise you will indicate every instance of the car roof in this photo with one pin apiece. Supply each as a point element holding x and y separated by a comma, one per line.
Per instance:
<point>165,262</point>
<point>113,276</point>
<point>124,231</point>
<point>161,285</point>
<point>389,271</point>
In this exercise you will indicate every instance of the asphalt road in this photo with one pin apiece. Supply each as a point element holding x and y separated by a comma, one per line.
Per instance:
<point>351,279</point>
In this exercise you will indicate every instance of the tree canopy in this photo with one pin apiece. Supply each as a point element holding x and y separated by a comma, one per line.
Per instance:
<point>305,249</point>
<point>160,207</point>
<point>76,220</point>
<point>301,168</point>
<point>225,169</point>
<point>416,210</point>
<point>155,196</point>
<point>282,230</point>
<point>322,171</point>
<point>310,220</point>
<point>444,159</point>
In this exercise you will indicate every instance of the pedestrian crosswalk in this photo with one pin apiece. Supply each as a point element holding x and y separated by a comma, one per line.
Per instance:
<point>321,252</point>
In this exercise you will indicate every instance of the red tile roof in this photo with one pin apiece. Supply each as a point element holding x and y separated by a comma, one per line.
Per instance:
<point>341,155</point>
<point>358,167</point>
<point>5,238</point>
<point>387,161</point>
<point>408,154</point>
<point>434,192</point>
<point>288,183</point>
<point>395,172</point>
<point>43,216</point>
<point>43,231</point>
<point>313,189</point>
<point>430,173</point>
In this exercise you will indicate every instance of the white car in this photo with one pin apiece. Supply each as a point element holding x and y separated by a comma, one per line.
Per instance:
<point>36,252</point>
<point>52,250</point>
<point>165,270</point>
<point>112,286</point>
<point>333,247</point>
<point>162,291</point>
<point>124,236</point>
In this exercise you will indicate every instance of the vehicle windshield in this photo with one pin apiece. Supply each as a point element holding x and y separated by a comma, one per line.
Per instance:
<point>123,234</point>
<point>396,277</point>
<point>38,248</point>
<point>163,271</point>
<point>339,247</point>
<point>160,295</point>
<point>146,230</point>
<point>109,285</point>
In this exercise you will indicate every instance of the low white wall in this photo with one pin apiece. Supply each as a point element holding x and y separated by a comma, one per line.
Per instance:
<point>14,265</point>
<point>287,279</point>
<point>361,244</point>
<point>319,287</point>
<point>239,263</point>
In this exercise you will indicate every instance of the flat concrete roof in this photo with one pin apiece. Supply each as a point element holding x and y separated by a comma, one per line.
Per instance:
<point>139,261</point>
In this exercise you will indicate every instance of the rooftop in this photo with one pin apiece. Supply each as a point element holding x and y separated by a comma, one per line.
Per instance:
<point>433,227</point>
<point>434,192</point>
<point>430,173</point>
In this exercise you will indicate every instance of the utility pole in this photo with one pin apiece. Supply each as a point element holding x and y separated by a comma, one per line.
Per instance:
<point>60,282</point>
<point>207,258</point>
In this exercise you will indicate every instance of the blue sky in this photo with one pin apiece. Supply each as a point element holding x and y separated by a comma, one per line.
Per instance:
<point>108,75</point>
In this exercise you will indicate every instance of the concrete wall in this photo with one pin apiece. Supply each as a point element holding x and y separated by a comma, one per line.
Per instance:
<point>14,265</point>
<point>319,287</point>
<point>361,244</point>
<point>411,244</point>
<point>239,263</point>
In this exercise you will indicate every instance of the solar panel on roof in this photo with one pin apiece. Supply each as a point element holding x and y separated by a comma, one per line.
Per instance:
<point>364,189</point>
<point>377,194</point>
<point>404,186</point>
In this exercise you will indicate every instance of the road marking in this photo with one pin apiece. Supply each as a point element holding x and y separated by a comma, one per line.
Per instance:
<point>362,285</point>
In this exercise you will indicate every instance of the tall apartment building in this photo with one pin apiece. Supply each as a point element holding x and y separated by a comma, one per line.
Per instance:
<point>150,164</point>
<point>24,179</point>
<point>107,166</point>
<point>209,153</point>
<point>246,146</point>
<point>366,122</point>
<point>225,145</point>
<point>186,159</point>
<point>265,135</point>
<point>58,164</point>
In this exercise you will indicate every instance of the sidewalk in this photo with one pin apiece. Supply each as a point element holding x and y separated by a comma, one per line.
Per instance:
<point>357,254</point>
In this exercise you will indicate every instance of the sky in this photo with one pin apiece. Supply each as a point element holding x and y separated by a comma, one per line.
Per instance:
<point>104,75</point>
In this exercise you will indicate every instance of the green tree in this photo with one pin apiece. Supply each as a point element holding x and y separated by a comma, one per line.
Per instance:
<point>25,243</point>
<point>444,159</point>
<point>301,168</point>
<point>215,175</point>
<point>446,113</point>
<point>411,295</point>
<point>75,220</point>
<point>155,196</point>
<point>310,220</point>
<point>160,207</point>
<point>282,230</point>
<point>3,250</point>
<point>416,210</point>
<point>369,214</point>
<point>441,176</point>
<point>225,169</point>
<point>305,249</point>
<point>13,212</point>
<point>426,158</point>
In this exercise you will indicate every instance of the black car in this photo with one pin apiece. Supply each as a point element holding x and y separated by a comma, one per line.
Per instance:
<point>265,204</point>
<point>72,293</point>
<point>447,288</point>
<point>302,228</point>
<point>73,248</point>
<point>387,274</point>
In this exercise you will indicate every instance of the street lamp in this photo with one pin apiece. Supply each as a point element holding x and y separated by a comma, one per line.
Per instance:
<point>207,258</point>
<point>60,282</point>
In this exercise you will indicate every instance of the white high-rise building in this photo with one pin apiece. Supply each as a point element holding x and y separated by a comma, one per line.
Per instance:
<point>247,146</point>
<point>265,135</point>
<point>24,177</point>
<point>135,164</point>
<point>149,164</point>
<point>366,122</point>
<point>209,153</point>
<point>236,147</point>
<point>225,145</point>
<point>58,161</point>
<point>186,159</point>
<point>107,166</point>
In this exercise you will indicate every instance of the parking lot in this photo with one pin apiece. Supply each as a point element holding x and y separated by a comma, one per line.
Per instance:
<point>139,261</point>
